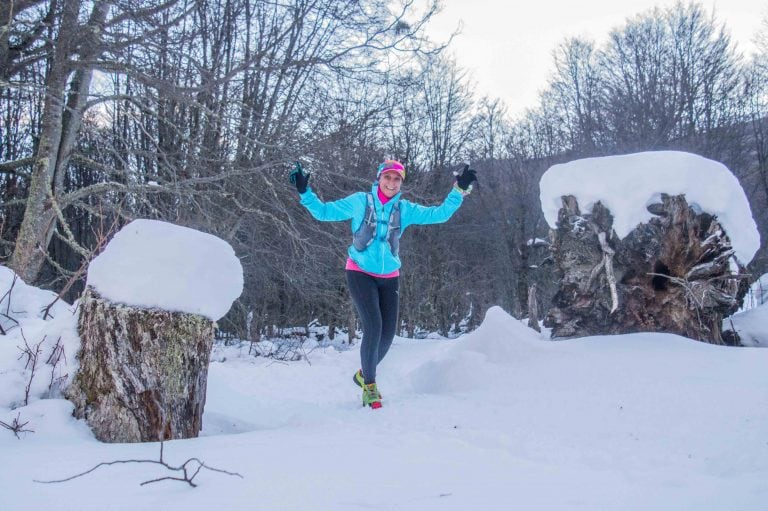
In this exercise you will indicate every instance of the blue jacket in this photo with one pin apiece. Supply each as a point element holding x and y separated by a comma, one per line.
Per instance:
<point>378,257</point>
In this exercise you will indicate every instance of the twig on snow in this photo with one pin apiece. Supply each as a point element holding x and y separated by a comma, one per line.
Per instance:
<point>189,470</point>
<point>16,426</point>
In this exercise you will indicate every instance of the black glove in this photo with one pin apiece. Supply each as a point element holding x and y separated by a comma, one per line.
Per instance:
<point>465,179</point>
<point>299,178</point>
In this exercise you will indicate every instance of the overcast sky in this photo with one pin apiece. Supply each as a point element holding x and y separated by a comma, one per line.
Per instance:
<point>507,48</point>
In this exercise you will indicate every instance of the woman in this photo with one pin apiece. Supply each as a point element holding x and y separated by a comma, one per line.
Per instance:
<point>373,266</point>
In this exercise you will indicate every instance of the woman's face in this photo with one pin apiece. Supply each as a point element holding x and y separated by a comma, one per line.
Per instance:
<point>390,183</point>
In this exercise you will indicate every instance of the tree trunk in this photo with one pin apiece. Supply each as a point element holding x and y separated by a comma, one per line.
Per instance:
<point>143,373</point>
<point>672,274</point>
<point>59,130</point>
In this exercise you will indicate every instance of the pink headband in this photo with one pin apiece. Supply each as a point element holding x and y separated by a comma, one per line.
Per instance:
<point>391,166</point>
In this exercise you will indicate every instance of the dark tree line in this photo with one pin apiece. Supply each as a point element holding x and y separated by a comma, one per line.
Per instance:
<point>191,111</point>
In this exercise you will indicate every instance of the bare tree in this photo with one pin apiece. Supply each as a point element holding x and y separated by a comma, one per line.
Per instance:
<point>66,88</point>
<point>577,88</point>
<point>756,115</point>
<point>448,101</point>
<point>205,98</point>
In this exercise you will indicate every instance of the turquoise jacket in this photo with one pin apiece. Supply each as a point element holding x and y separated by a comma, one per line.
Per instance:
<point>378,257</point>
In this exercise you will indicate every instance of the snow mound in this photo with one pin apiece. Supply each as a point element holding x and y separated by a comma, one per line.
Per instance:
<point>22,302</point>
<point>481,357</point>
<point>501,338</point>
<point>37,353</point>
<point>627,184</point>
<point>155,264</point>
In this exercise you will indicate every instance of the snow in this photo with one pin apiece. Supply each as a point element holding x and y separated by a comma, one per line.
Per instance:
<point>758,293</point>
<point>497,419</point>
<point>537,242</point>
<point>21,317</point>
<point>751,323</point>
<point>627,184</point>
<point>153,264</point>
<point>22,302</point>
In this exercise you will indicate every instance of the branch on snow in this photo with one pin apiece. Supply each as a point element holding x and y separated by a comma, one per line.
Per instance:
<point>16,426</point>
<point>187,470</point>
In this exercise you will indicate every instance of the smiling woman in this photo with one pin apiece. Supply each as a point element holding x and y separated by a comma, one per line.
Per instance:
<point>390,175</point>
<point>378,219</point>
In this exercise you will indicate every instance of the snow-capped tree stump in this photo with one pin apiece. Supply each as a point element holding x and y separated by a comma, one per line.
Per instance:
<point>142,373</point>
<point>674,273</point>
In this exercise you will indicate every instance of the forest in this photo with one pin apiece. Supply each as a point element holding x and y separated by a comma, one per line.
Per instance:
<point>193,112</point>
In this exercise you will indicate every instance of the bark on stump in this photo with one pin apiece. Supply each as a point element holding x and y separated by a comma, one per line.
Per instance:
<point>143,373</point>
<point>672,274</point>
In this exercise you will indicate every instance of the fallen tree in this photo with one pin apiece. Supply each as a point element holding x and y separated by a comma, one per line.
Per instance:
<point>647,242</point>
<point>675,273</point>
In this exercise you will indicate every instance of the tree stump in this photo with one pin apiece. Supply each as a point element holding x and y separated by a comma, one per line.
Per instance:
<point>143,373</point>
<point>672,274</point>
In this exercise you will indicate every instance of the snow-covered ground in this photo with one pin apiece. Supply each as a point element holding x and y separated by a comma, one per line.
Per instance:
<point>497,419</point>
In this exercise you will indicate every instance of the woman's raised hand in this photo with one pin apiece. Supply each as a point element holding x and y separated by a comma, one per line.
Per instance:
<point>299,178</point>
<point>465,179</point>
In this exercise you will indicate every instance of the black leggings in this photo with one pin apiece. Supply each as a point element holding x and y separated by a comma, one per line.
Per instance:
<point>376,301</point>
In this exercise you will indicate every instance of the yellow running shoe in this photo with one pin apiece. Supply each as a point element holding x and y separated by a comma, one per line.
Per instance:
<point>371,396</point>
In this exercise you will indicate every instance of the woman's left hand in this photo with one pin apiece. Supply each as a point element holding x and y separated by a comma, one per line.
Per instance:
<point>299,178</point>
<point>465,179</point>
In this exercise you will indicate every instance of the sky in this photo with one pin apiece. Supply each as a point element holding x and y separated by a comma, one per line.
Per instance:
<point>507,46</point>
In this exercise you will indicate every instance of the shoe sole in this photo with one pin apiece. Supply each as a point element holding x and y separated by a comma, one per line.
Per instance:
<point>373,404</point>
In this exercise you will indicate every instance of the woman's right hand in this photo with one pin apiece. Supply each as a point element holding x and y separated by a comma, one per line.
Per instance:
<point>299,178</point>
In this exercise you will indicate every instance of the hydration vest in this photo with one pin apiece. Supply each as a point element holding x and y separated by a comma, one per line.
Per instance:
<point>365,235</point>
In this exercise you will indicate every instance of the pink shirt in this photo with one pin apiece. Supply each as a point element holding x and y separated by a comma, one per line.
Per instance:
<point>351,265</point>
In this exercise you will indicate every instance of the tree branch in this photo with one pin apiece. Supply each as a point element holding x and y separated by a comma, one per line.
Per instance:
<point>17,427</point>
<point>183,468</point>
<point>10,167</point>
